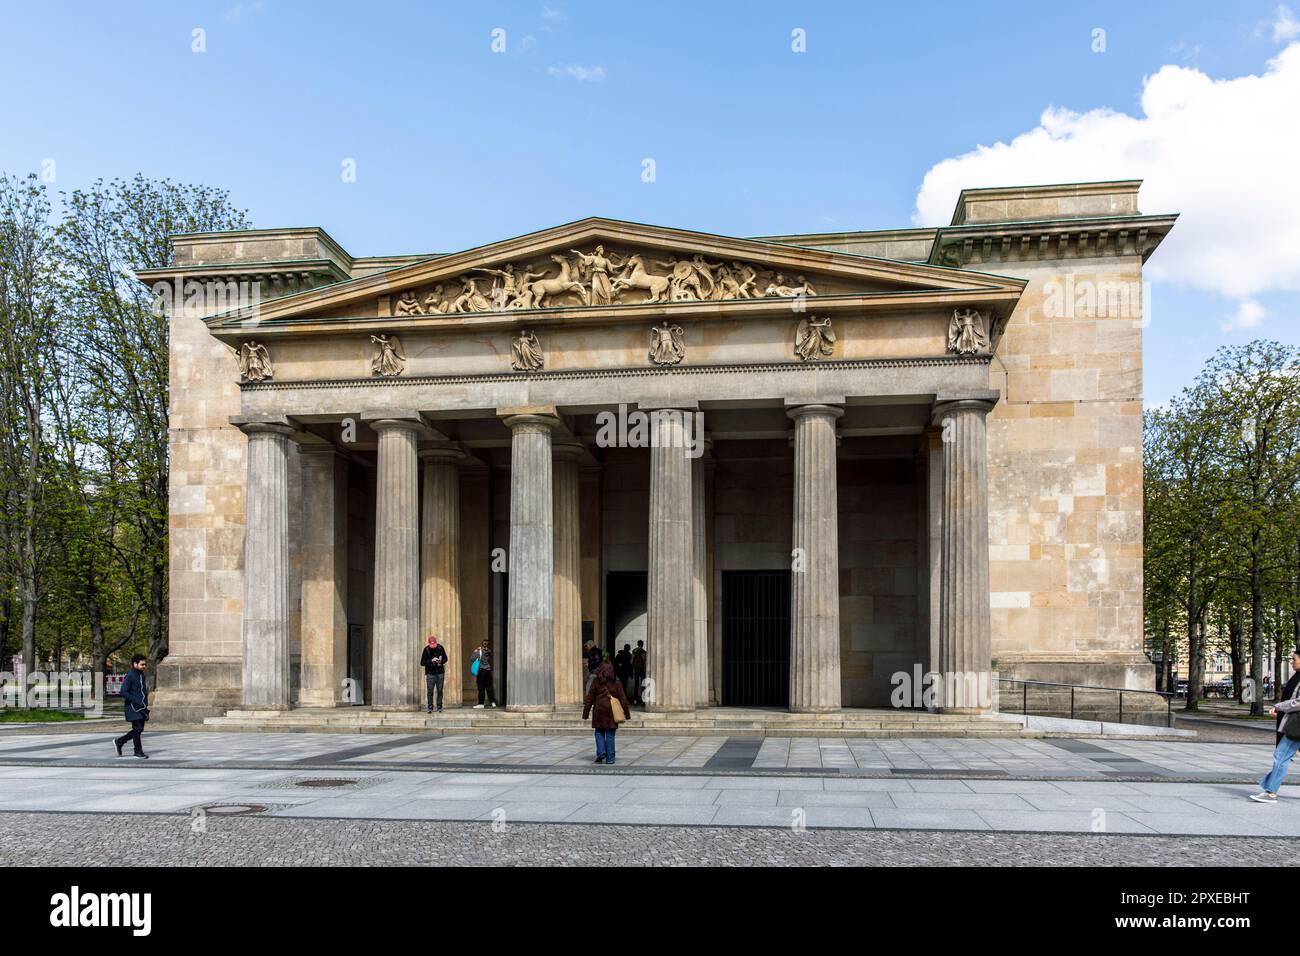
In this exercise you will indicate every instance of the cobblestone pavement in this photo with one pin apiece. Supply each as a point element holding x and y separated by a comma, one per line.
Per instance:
<point>94,839</point>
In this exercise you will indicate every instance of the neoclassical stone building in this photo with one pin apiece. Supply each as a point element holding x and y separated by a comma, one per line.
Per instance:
<point>794,466</point>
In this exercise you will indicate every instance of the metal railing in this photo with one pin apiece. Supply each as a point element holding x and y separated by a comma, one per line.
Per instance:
<point>1041,698</point>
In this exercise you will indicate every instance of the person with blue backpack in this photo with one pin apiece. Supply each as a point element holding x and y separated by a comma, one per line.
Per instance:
<point>481,667</point>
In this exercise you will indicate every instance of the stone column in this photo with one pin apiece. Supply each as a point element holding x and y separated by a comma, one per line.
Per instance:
<point>815,577</point>
<point>965,658</point>
<point>568,575</point>
<point>395,636</point>
<point>440,610</point>
<point>324,658</point>
<point>700,573</point>
<point>530,641</point>
<point>670,632</point>
<point>266,566</point>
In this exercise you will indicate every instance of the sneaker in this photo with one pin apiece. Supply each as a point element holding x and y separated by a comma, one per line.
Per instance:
<point>493,704</point>
<point>142,755</point>
<point>118,745</point>
<point>1264,797</point>
<point>600,760</point>
<point>609,763</point>
<point>478,706</point>
<point>430,710</point>
<point>440,710</point>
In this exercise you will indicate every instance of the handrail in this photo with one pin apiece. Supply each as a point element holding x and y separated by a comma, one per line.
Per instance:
<point>1057,683</point>
<point>1121,691</point>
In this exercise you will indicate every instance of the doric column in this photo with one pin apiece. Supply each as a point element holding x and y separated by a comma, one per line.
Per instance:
<point>700,575</point>
<point>266,565</point>
<point>965,659</point>
<point>568,574</point>
<point>670,632</point>
<point>395,637</point>
<point>815,577</point>
<point>440,606</point>
<point>530,641</point>
<point>324,575</point>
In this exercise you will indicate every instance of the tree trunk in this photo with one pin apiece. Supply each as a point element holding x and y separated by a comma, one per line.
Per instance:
<point>1256,625</point>
<point>1195,652</point>
<point>157,648</point>
<point>1235,650</point>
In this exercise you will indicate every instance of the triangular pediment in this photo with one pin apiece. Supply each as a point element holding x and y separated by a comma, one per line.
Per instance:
<point>605,264</point>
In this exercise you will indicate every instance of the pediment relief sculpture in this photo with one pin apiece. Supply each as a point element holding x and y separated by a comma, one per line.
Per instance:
<point>667,344</point>
<point>814,338</point>
<point>966,334</point>
<point>388,359</point>
<point>526,352</point>
<point>598,276</point>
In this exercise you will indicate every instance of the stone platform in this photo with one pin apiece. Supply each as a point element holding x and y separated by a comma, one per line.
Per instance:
<point>729,721</point>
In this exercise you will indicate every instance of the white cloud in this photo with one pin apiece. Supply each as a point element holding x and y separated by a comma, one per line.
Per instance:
<point>1222,153</point>
<point>1286,27</point>
<point>583,74</point>
<point>1248,316</point>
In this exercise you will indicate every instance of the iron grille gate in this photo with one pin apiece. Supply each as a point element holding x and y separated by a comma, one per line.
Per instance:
<point>756,638</point>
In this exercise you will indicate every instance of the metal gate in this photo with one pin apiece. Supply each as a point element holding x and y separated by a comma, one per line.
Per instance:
<point>756,638</point>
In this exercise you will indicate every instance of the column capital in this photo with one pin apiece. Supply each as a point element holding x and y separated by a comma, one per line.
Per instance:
<point>449,453</point>
<point>568,449</point>
<point>824,410</point>
<point>981,401</point>
<point>383,419</point>
<point>265,424</point>
<point>531,422</point>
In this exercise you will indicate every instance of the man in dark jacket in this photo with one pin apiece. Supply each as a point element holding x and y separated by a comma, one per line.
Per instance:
<point>434,662</point>
<point>638,671</point>
<point>135,706</point>
<point>1287,711</point>
<point>623,665</point>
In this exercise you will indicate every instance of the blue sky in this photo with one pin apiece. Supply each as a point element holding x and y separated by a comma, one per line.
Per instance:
<point>455,144</point>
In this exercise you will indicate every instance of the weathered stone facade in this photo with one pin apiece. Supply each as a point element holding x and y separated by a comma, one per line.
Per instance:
<point>925,442</point>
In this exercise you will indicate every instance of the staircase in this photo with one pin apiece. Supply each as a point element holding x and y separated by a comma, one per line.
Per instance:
<point>722,721</point>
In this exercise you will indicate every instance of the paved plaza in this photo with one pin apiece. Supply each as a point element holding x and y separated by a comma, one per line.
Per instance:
<point>1063,786</point>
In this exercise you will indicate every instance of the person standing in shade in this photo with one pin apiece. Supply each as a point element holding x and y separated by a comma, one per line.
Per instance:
<point>638,671</point>
<point>623,666</point>
<point>1287,711</point>
<point>607,706</point>
<point>594,657</point>
<point>434,661</point>
<point>483,676</point>
<point>135,706</point>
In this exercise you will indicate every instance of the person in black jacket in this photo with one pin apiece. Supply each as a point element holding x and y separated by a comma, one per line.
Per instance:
<point>135,706</point>
<point>1287,710</point>
<point>434,661</point>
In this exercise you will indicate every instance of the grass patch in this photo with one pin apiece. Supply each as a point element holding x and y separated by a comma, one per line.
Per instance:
<point>34,715</point>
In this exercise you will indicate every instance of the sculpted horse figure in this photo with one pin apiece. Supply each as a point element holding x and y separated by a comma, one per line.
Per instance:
<point>636,276</point>
<point>564,282</point>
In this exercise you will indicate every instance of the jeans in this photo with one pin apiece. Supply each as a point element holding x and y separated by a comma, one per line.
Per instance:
<point>133,735</point>
<point>605,744</point>
<point>484,679</point>
<point>430,682</point>
<point>1282,754</point>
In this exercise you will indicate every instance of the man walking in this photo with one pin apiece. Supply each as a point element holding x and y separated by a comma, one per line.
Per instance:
<point>135,706</point>
<point>638,671</point>
<point>434,661</point>
<point>1288,740</point>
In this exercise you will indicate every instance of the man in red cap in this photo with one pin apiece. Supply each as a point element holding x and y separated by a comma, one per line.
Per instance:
<point>434,662</point>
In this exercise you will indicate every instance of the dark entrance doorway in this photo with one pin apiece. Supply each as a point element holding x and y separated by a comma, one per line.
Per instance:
<point>625,609</point>
<point>756,638</point>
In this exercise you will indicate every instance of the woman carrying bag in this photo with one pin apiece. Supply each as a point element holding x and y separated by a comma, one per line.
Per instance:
<point>607,706</point>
